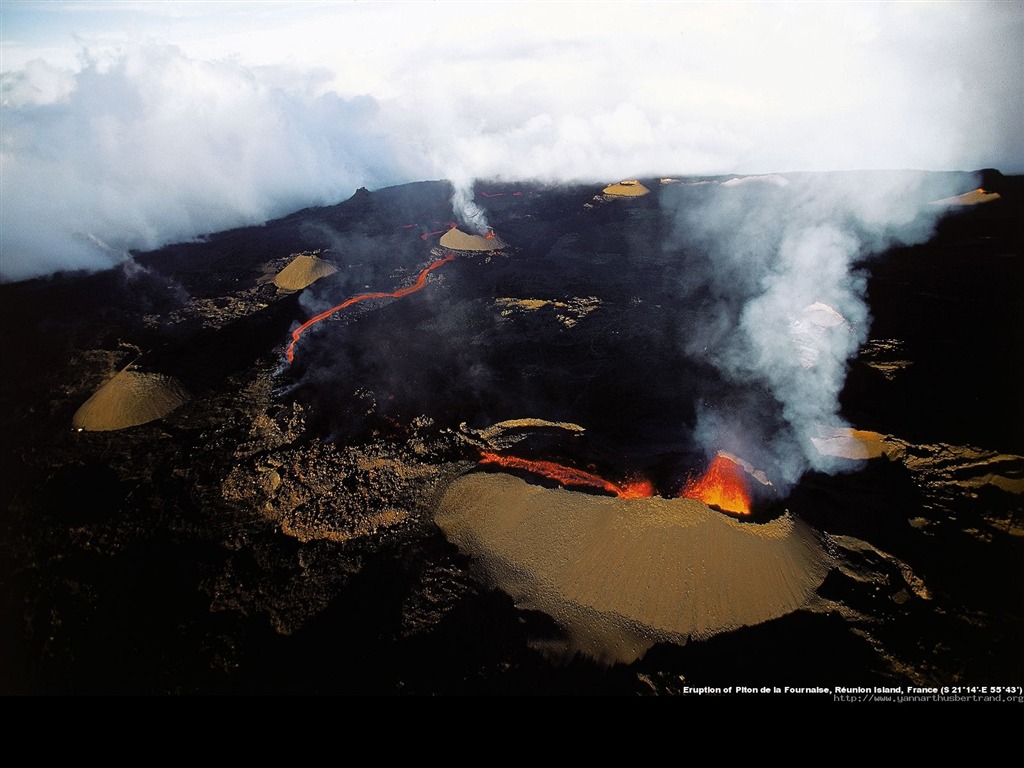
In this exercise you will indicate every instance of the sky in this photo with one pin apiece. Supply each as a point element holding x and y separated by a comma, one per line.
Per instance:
<point>130,125</point>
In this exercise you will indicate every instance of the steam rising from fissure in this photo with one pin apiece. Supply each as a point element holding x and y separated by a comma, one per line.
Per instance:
<point>775,261</point>
<point>470,215</point>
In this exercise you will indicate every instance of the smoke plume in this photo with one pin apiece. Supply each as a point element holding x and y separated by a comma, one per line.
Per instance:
<point>775,262</point>
<point>470,215</point>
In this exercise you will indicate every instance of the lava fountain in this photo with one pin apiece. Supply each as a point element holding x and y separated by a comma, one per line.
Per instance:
<point>722,486</point>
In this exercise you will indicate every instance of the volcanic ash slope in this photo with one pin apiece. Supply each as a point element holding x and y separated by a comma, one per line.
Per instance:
<point>627,188</point>
<point>130,398</point>
<point>302,272</point>
<point>619,575</point>
<point>458,240</point>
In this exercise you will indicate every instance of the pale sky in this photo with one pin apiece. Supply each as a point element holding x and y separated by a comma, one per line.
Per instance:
<point>130,125</point>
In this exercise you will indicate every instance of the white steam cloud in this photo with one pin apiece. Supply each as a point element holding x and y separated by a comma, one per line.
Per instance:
<point>156,147</point>
<point>127,126</point>
<point>785,310</point>
<point>470,215</point>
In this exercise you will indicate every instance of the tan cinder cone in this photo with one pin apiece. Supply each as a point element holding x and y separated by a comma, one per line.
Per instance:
<point>619,575</point>
<point>130,398</point>
<point>458,240</point>
<point>627,188</point>
<point>302,272</point>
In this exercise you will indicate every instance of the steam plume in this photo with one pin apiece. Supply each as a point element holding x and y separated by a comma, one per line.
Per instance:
<point>470,215</point>
<point>776,265</point>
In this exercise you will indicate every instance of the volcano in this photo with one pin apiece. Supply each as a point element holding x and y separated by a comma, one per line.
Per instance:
<point>627,188</point>
<point>130,398</point>
<point>302,272</point>
<point>458,240</point>
<point>680,438</point>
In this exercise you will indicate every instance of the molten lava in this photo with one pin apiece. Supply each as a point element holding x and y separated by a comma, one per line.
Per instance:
<point>421,280</point>
<point>632,489</point>
<point>636,488</point>
<point>722,486</point>
<point>425,235</point>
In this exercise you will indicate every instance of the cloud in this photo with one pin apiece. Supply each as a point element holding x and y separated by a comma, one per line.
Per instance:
<point>156,147</point>
<point>132,126</point>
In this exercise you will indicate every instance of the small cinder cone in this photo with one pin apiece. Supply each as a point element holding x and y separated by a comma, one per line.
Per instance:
<point>974,197</point>
<point>129,399</point>
<point>458,240</point>
<point>628,188</point>
<point>847,443</point>
<point>303,271</point>
<point>619,575</point>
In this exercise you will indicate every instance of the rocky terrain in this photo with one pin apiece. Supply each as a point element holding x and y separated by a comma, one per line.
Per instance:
<point>275,532</point>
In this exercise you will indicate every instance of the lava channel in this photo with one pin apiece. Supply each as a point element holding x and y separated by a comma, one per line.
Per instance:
<point>421,280</point>
<point>569,476</point>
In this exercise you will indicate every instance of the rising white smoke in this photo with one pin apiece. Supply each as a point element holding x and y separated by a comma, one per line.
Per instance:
<point>786,306</point>
<point>471,217</point>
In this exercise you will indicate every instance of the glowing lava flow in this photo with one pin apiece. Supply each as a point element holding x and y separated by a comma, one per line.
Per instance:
<point>721,486</point>
<point>425,235</point>
<point>633,489</point>
<point>421,281</point>
<point>636,488</point>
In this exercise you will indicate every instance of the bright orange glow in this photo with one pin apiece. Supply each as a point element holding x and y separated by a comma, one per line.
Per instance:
<point>551,470</point>
<point>567,476</point>
<point>636,488</point>
<point>421,281</point>
<point>722,486</point>
<point>489,235</point>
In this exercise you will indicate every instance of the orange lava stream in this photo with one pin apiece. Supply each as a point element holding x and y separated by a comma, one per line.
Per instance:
<point>721,486</point>
<point>633,489</point>
<point>421,281</point>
